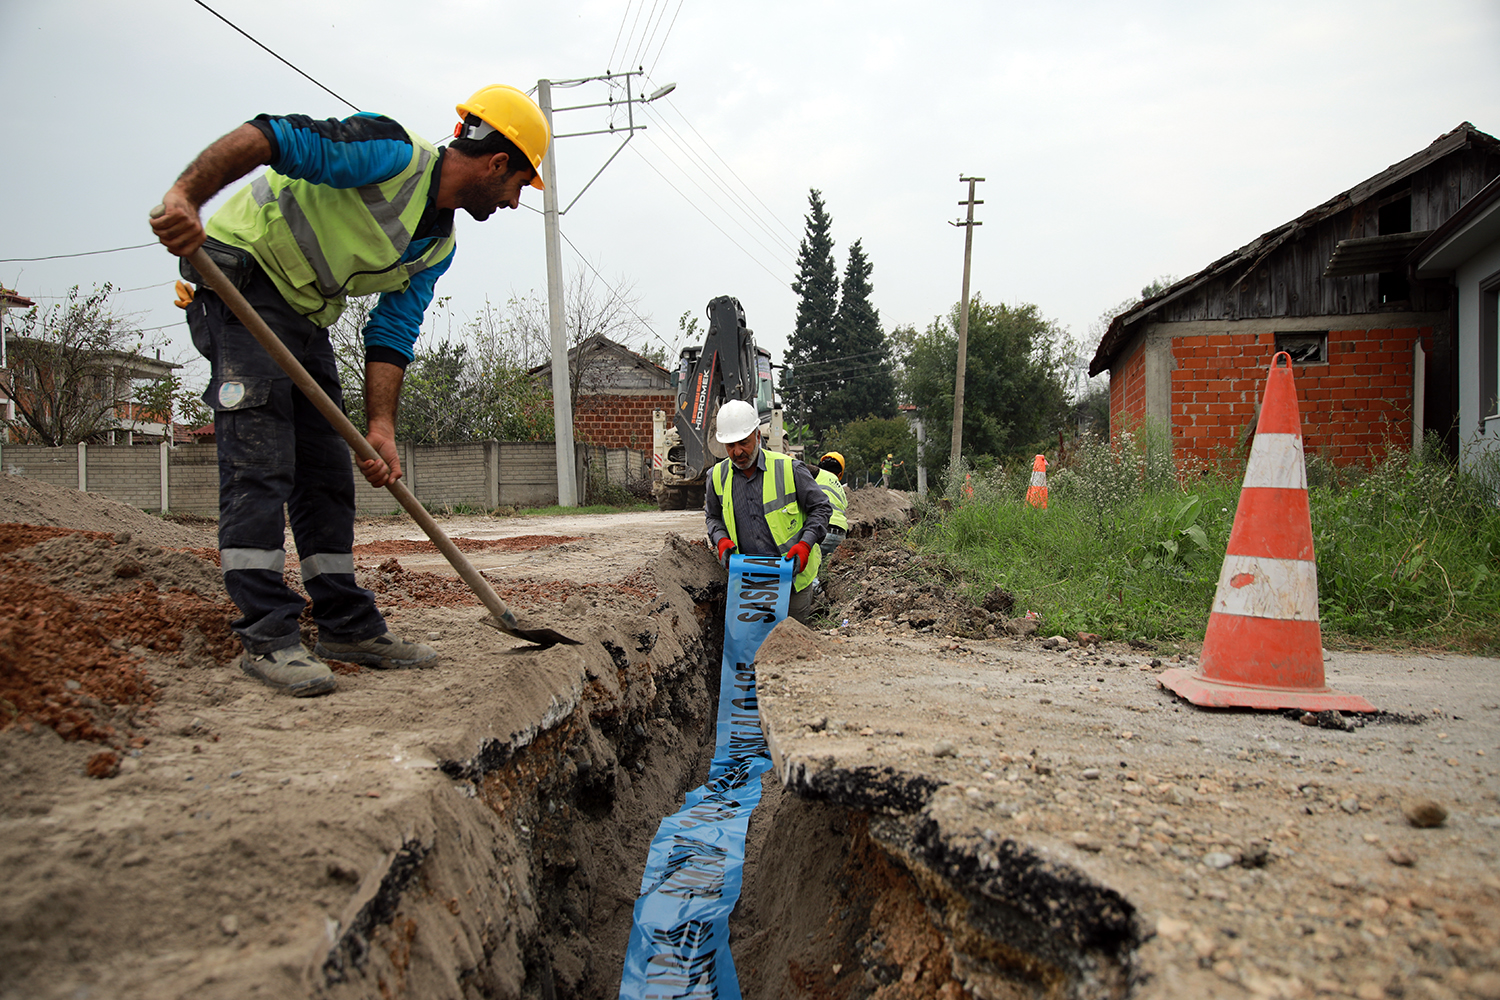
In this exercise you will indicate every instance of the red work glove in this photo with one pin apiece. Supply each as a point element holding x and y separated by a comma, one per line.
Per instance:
<point>800,552</point>
<point>726,546</point>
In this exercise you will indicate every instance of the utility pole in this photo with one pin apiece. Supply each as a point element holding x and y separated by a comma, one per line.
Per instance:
<point>562,394</point>
<point>963,324</point>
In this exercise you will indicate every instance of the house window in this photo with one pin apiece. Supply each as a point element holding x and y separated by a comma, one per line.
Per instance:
<point>1305,348</point>
<point>1489,348</point>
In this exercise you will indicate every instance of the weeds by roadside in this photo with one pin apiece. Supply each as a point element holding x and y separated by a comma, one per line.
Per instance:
<point>1130,547</point>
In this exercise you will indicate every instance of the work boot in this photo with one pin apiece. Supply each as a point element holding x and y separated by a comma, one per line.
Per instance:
<point>292,669</point>
<point>383,652</point>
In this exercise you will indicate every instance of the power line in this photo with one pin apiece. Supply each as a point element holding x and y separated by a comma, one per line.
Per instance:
<point>673,105</point>
<point>709,195</point>
<point>86,253</point>
<point>616,292</point>
<point>618,31</point>
<point>645,45</point>
<point>829,361</point>
<point>702,164</point>
<point>242,31</point>
<point>664,38</point>
<point>779,280</point>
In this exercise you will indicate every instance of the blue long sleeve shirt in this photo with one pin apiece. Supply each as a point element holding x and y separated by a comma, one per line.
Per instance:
<point>367,149</point>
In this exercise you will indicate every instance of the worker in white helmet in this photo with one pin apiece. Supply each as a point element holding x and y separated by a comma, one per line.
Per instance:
<point>762,503</point>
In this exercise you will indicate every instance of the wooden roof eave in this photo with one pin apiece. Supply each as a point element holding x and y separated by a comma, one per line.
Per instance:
<point>1267,243</point>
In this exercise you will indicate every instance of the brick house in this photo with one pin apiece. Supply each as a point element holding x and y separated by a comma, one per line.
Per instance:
<point>1374,346</point>
<point>96,388</point>
<point>8,300</point>
<point>615,392</point>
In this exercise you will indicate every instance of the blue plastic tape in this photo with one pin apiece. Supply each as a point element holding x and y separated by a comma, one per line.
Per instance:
<point>679,944</point>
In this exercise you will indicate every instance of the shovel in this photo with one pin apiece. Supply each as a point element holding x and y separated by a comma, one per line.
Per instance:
<point>501,616</point>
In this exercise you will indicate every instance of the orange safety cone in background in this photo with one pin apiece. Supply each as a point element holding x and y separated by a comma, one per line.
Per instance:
<point>1036,493</point>
<point>1264,647</point>
<point>968,486</point>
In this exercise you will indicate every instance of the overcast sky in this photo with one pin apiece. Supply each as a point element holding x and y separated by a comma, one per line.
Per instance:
<point>1119,141</point>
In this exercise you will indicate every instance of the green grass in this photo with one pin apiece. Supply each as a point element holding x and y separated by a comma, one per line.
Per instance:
<point>1130,548</point>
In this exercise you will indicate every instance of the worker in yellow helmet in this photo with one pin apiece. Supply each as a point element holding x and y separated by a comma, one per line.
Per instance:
<point>886,468</point>
<point>829,479</point>
<point>359,206</point>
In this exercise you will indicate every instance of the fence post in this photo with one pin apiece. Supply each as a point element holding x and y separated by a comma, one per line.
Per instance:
<point>492,473</point>
<point>409,469</point>
<point>83,467</point>
<point>166,484</point>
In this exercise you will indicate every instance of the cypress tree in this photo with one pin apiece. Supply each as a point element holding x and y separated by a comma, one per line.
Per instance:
<point>805,390</point>
<point>862,354</point>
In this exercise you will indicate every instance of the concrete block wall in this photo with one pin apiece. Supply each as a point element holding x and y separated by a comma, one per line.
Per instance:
<point>483,474</point>
<point>57,466</point>
<point>528,474</point>
<point>119,472</point>
<point>448,474</point>
<point>193,480</point>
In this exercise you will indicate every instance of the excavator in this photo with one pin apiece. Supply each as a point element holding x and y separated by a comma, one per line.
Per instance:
<point>727,366</point>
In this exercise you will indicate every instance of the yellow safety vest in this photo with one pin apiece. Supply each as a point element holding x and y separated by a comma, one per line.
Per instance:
<point>319,244</point>
<point>829,484</point>
<point>779,503</point>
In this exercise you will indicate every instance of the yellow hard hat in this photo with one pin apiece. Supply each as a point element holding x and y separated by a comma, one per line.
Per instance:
<point>837,458</point>
<point>511,113</point>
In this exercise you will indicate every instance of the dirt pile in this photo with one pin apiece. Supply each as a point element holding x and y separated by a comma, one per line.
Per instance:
<point>477,826</point>
<point>30,501</point>
<point>872,579</point>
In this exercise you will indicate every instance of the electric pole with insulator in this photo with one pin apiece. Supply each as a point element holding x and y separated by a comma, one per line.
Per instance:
<point>963,324</point>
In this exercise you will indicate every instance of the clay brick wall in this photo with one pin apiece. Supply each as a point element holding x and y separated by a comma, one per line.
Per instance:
<point>1350,406</point>
<point>612,421</point>
<point>1127,392</point>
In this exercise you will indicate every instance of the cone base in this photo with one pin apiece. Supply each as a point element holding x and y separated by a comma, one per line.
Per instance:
<point>1209,693</point>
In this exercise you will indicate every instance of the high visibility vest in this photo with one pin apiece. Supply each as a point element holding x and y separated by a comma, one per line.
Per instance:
<point>779,503</point>
<point>829,484</point>
<point>319,244</point>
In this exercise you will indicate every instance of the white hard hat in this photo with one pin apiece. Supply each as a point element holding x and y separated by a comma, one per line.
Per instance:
<point>737,421</point>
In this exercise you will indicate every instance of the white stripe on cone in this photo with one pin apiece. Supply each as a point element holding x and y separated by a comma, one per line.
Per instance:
<point>1276,460</point>
<point>1261,587</point>
<point>1038,478</point>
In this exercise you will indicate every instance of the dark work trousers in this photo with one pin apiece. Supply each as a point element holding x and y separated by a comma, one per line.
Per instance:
<point>275,448</point>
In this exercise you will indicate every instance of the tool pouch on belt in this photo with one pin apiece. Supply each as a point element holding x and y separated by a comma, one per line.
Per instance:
<point>237,264</point>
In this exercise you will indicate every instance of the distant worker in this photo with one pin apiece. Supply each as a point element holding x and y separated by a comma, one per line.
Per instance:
<point>830,472</point>
<point>353,207</point>
<point>763,503</point>
<point>886,468</point>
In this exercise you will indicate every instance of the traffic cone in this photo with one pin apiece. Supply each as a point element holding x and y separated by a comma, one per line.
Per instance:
<point>968,486</point>
<point>1036,493</point>
<point>1263,647</point>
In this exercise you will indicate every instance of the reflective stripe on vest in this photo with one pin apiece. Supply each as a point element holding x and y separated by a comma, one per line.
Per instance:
<point>779,503</point>
<point>830,485</point>
<point>319,244</point>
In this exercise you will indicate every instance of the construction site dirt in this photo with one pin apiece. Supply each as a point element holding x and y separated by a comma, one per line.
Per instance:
<point>963,805</point>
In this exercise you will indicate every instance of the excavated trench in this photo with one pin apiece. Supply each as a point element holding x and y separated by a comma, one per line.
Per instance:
<point>849,891</point>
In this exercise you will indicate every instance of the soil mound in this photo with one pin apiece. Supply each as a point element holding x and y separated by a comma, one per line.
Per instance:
<point>24,500</point>
<point>876,507</point>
